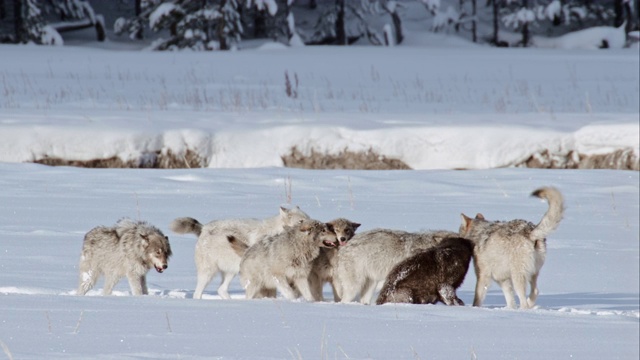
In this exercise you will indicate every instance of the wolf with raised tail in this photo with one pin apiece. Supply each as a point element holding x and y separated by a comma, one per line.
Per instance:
<point>512,253</point>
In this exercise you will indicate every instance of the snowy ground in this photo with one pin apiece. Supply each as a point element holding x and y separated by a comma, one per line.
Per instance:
<point>432,108</point>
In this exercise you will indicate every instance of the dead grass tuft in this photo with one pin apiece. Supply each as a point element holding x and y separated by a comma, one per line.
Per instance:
<point>367,160</point>
<point>155,160</point>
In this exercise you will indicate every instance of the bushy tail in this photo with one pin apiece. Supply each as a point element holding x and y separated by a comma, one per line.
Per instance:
<point>552,217</point>
<point>238,246</point>
<point>186,225</point>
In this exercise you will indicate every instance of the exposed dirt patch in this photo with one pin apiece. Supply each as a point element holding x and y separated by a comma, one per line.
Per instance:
<point>623,159</point>
<point>367,160</point>
<point>156,160</point>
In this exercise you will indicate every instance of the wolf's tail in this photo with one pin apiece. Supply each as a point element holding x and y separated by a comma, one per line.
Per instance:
<point>186,225</point>
<point>552,217</point>
<point>238,246</point>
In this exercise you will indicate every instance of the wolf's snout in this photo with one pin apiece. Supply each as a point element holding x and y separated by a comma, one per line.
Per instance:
<point>165,266</point>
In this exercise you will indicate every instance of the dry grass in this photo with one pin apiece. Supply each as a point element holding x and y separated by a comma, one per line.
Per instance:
<point>623,159</point>
<point>368,160</point>
<point>157,160</point>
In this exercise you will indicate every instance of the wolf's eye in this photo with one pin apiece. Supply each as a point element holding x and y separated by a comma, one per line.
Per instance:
<point>300,221</point>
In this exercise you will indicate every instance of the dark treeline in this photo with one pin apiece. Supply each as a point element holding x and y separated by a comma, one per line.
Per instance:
<point>224,24</point>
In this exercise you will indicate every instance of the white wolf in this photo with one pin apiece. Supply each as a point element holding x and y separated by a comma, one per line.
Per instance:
<point>284,261</point>
<point>512,252</point>
<point>213,252</point>
<point>127,249</point>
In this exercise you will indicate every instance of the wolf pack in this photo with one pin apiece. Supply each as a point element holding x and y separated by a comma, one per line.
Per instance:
<point>295,256</point>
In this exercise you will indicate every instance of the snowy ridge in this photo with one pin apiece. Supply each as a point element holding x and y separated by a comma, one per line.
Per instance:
<point>441,147</point>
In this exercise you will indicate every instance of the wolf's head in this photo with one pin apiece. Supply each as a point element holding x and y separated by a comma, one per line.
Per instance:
<point>344,229</point>
<point>292,217</point>
<point>320,232</point>
<point>470,228</point>
<point>156,247</point>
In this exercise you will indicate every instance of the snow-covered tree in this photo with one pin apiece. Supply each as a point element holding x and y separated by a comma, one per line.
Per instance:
<point>198,25</point>
<point>31,25</point>
<point>448,18</point>
<point>345,21</point>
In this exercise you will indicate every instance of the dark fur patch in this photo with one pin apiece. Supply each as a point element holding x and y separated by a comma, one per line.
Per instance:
<point>430,276</point>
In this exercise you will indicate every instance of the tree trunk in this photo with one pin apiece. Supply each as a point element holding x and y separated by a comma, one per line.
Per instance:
<point>3,10</point>
<point>496,26</point>
<point>474,30</point>
<point>220,28</point>
<point>618,10</point>
<point>341,34</point>
<point>19,21</point>
<point>397,26</point>
<point>525,27</point>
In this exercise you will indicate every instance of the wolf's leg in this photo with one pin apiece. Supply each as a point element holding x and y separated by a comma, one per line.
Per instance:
<point>482,285</point>
<point>347,291</point>
<point>223,290</point>
<point>285,289</point>
<point>520,286</point>
<point>302,284</point>
<point>533,295</point>
<point>143,282</point>
<point>447,294</point>
<point>399,295</point>
<point>368,289</point>
<point>205,274</point>
<point>109,282</point>
<point>336,296</point>
<point>87,281</point>
<point>507,290</point>
<point>315,284</point>
<point>137,284</point>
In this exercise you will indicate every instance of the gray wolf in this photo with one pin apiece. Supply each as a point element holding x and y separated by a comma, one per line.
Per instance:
<point>130,248</point>
<point>277,262</point>
<point>213,253</point>
<point>367,259</point>
<point>322,267</point>
<point>429,276</point>
<point>512,252</point>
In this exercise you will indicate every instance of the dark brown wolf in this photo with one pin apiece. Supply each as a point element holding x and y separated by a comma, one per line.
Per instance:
<point>430,276</point>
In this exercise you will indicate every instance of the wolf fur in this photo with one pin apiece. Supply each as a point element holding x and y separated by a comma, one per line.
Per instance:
<point>130,248</point>
<point>283,260</point>
<point>213,253</point>
<point>429,276</point>
<point>322,267</point>
<point>369,256</point>
<point>512,253</point>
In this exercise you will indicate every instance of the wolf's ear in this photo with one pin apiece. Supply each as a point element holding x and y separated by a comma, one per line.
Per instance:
<point>330,226</point>
<point>306,226</point>
<point>479,216</point>
<point>355,226</point>
<point>466,222</point>
<point>145,239</point>
<point>283,211</point>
